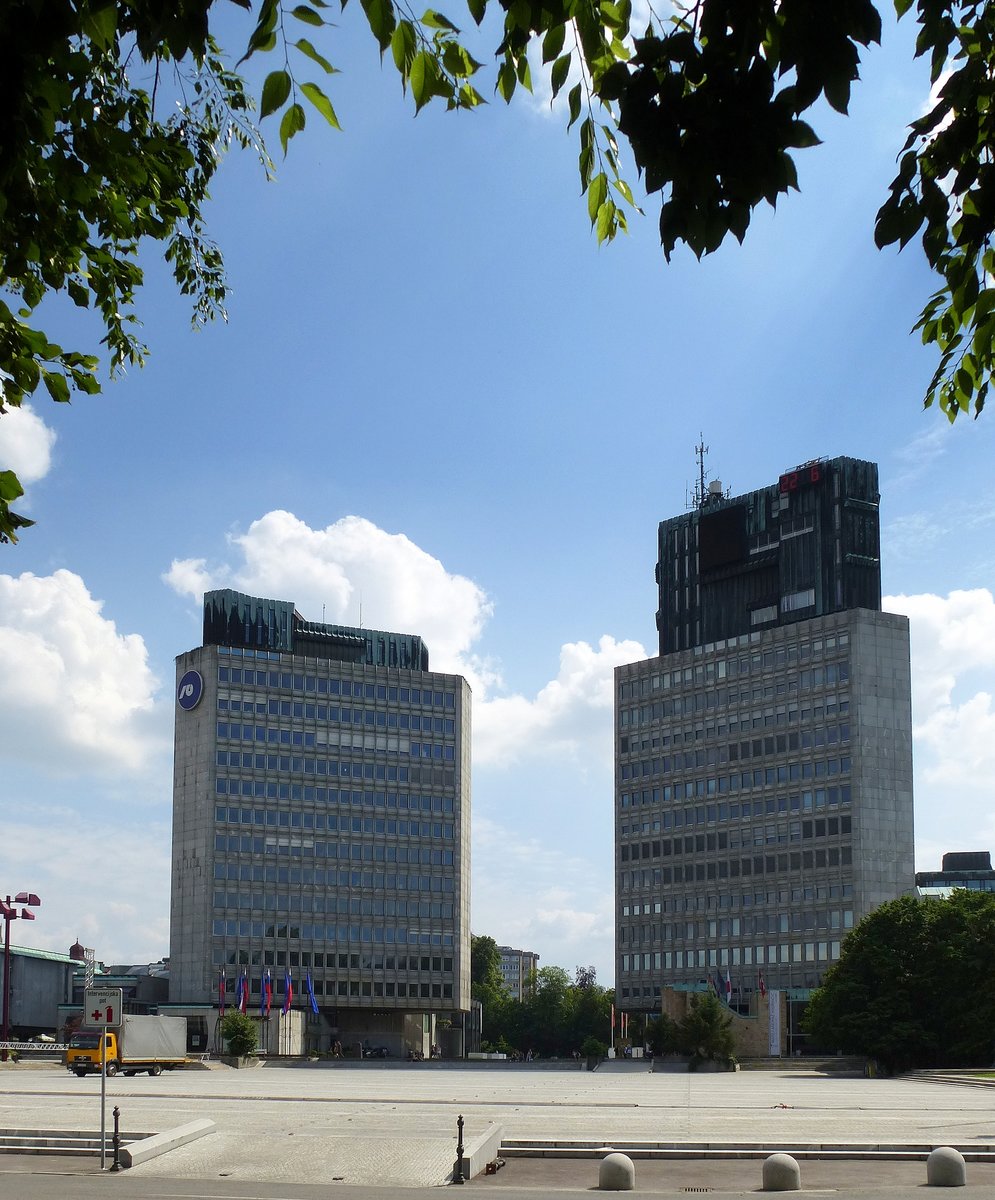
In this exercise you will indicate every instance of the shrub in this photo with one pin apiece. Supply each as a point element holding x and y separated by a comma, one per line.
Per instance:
<point>239,1031</point>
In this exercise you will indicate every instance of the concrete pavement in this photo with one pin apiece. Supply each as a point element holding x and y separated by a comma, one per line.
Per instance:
<point>390,1125</point>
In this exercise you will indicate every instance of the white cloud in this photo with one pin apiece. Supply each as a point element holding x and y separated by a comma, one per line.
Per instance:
<point>571,714</point>
<point>105,884</point>
<point>346,566</point>
<point>25,444</point>
<point>953,680</point>
<point>529,893</point>
<point>76,694</point>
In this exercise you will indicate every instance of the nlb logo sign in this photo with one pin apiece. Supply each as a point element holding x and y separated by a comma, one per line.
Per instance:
<point>190,690</point>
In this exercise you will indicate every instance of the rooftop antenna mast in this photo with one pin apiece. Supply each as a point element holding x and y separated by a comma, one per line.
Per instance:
<point>699,493</point>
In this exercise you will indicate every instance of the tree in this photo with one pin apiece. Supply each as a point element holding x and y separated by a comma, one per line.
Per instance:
<point>705,1032</point>
<point>485,966</point>
<point>914,985</point>
<point>239,1031</point>
<point>113,116</point>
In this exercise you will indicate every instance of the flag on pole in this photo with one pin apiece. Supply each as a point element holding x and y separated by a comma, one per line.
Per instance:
<point>310,992</point>
<point>727,991</point>
<point>613,1018</point>
<point>266,994</point>
<point>222,989</point>
<point>288,992</point>
<point>761,984</point>
<point>242,992</point>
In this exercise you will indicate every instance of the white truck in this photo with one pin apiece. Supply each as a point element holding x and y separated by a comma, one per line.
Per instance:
<point>139,1043</point>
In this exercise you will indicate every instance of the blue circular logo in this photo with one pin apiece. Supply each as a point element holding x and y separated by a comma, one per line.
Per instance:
<point>190,690</point>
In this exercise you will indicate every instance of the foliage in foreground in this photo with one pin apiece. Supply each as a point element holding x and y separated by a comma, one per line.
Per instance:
<point>705,1032</point>
<point>113,116</point>
<point>914,985</point>
<point>555,1019</point>
<point>239,1031</point>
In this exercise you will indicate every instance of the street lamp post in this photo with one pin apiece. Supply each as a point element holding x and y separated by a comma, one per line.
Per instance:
<point>9,913</point>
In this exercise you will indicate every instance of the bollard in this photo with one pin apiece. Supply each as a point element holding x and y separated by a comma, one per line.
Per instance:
<point>116,1164</point>
<point>458,1166</point>
<point>781,1174</point>
<point>945,1167</point>
<point>616,1174</point>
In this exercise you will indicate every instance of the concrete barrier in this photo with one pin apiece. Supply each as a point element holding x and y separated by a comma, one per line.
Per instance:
<point>616,1173</point>
<point>945,1167</point>
<point>781,1174</point>
<point>162,1143</point>
<point>479,1151</point>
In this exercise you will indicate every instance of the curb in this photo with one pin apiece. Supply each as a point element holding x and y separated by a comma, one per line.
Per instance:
<point>161,1143</point>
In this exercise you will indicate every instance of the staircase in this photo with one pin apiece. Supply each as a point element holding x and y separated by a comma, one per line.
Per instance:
<point>68,1142</point>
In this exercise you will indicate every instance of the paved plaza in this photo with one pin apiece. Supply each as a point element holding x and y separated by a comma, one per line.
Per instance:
<point>390,1125</point>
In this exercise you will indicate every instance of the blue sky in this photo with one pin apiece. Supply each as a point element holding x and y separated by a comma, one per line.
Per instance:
<point>436,397</point>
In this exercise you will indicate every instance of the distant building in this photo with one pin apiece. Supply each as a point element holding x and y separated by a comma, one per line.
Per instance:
<point>959,869</point>
<point>321,822</point>
<point>763,762</point>
<point>40,981</point>
<point>517,970</point>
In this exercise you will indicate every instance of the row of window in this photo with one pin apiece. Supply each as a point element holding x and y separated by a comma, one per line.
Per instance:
<point>377,934</point>
<point>305,847</point>
<point>283,819</point>
<point>340,796</point>
<point>721,784</point>
<point>716,698</point>
<point>783,952</point>
<point>318,877</point>
<point>753,926</point>
<point>699,674</point>
<point>734,810</point>
<point>747,900</point>
<point>356,906</point>
<point>760,864</point>
<point>741,751</point>
<point>323,713</point>
<point>366,960</point>
<point>759,835</point>
<point>227,731</point>
<point>321,686</point>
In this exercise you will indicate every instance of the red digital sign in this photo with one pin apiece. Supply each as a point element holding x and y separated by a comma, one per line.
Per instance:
<point>803,477</point>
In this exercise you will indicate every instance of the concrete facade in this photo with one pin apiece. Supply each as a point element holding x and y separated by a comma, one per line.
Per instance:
<point>321,826</point>
<point>763,798</point>
<point>517,969</point>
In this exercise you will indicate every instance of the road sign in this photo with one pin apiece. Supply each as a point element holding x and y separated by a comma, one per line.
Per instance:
<point>102,1006</point>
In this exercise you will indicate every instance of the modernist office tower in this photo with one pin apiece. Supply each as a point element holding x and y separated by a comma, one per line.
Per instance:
<point>764,760</point>
<point>321,815</point>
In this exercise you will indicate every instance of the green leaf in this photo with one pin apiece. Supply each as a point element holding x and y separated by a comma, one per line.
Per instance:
<point>477,9</point>
<point>403,45</point>
<point>309,51</point>
<point>293,122</point>
<point>57,387</point>
<point>321,103</point>
<point>424,76</point>
<point>276,91</point>
<point>552,43</point>
<point>382,21</point>
<point>597,194</point>
<point>100,25</point>
<point>606,221</point>
<point>436,20</point>
<point>303,13</point>
<point>573,99</point>
<point>559,73</point>
<point>506,81</point>
<point>10,487</point>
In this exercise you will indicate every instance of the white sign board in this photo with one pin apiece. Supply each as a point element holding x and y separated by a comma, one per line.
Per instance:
<point>102,1006</point>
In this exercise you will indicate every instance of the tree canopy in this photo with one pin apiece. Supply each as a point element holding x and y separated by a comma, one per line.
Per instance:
<point>914,985</point>
<point>113,116</point>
